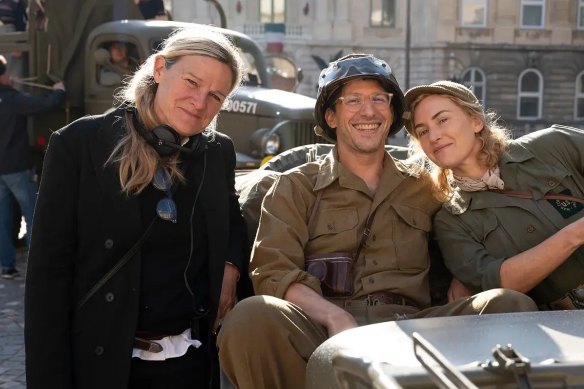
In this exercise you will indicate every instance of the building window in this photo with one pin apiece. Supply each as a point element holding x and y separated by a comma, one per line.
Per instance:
<point>581,15</point>
<point>530,94</point>
<point>382,13</point>
<point>475,79</point>
<point>474,13</point>
<point>532,13</point>
<point>273,11</point>
<point>579,97</point>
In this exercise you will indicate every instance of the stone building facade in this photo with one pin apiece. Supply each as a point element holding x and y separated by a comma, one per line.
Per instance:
<point>524,58</point>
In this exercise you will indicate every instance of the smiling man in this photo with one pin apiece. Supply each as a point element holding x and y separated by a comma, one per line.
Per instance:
<point>342,242</point>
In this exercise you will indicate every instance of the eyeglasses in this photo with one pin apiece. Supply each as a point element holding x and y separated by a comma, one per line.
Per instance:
<point>354,102</point>
<point>166,207</point>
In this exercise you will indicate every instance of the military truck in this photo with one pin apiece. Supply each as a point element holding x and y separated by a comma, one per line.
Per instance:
<point>261,121</point>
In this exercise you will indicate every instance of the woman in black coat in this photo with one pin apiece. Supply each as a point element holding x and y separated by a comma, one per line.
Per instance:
<point>137,236</point>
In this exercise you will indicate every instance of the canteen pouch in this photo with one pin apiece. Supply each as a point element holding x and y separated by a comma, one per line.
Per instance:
<point>335,272</point>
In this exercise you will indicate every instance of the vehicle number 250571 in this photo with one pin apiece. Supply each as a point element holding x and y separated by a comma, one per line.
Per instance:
<point>241,106</point>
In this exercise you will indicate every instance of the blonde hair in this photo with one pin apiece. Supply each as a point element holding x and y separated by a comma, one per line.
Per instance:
<point>137,160</point>
<point>493,138</point>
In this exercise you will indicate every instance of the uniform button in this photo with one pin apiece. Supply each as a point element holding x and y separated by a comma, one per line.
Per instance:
<point>109,297</point>
<point>552,183</point>
<point>374,237</point>
<point>330,227</point>
<point>530,229</point>
<point>98,350</point>
<point>414,222</point>
<point>109,243</point>
<point>375,262</point>
<point>371,280</point>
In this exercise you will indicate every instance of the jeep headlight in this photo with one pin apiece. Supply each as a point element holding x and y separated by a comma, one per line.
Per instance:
<point>271,144</point>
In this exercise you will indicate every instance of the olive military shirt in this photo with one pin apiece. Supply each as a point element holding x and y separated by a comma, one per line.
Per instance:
<point>395,257</point>
<point>477,231</point>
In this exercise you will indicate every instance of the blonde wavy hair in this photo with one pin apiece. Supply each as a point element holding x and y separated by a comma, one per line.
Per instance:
<point>493,137</point>
<point>137,160</point>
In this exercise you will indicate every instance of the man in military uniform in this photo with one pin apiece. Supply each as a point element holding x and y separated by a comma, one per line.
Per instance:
<point>357,215</point>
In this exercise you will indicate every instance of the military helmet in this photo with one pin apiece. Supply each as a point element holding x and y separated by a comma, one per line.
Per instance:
<point>345,69</point>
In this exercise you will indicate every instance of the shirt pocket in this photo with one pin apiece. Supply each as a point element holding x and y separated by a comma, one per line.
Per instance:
<point>507,231</point>
<point>410,238</point>
<point>489,224</point>
<point>334,231</point>
<point>487,232</point>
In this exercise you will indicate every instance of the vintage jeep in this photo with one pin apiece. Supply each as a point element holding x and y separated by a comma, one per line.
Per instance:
<point>511,350</point>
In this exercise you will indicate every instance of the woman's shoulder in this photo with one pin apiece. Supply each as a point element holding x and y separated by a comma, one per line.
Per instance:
<point>554,136</point>
<point>86,125</point>
<point>219,137</point>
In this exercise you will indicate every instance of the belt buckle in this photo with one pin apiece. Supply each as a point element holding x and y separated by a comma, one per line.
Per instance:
<point>153,347</point>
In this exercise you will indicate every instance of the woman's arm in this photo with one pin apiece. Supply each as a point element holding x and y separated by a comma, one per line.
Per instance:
<point>479,269</point>
<point>49,280</point>
<point>235,262</point>
<point>524,271</point>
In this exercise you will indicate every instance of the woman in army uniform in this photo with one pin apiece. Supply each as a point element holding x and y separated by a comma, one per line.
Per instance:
<point>513,209</point>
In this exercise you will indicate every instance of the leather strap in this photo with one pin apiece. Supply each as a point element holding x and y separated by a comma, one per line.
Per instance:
<point>365,234</point>
<point>147,345</point>
<point>388,298</point>
<point>529,195</point>
<point>574,299</point>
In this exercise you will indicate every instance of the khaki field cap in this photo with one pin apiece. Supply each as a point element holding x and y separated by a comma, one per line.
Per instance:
<point>438,88</point>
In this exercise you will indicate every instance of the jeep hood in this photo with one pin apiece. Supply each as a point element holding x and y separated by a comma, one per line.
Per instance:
<point>277,103</point>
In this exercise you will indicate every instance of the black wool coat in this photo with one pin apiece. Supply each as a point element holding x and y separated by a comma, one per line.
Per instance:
<point>83,225</point>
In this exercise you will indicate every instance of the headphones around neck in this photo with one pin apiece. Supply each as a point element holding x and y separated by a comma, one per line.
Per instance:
<point>165,140</point>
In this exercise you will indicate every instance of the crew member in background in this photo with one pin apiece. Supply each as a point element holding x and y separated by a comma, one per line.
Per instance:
<point>16,166</point>
<point>152,9</point>
<point>13,18</point>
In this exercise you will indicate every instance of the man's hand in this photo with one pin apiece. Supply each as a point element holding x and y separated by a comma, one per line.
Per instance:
<point>228,293</point>
<point>341,321</point>
<point>322,311</point>
<point>457,290</point>
<point>59,86</point>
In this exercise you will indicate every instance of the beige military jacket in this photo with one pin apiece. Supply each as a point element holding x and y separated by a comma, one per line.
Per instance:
<point>477,231</point>
<point>395,257</point>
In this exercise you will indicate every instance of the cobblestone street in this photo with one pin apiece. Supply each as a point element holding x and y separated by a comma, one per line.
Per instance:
<point>11,330</point>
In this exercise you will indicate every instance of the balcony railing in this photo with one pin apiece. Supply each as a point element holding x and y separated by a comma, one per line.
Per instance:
<point>293,31</point>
